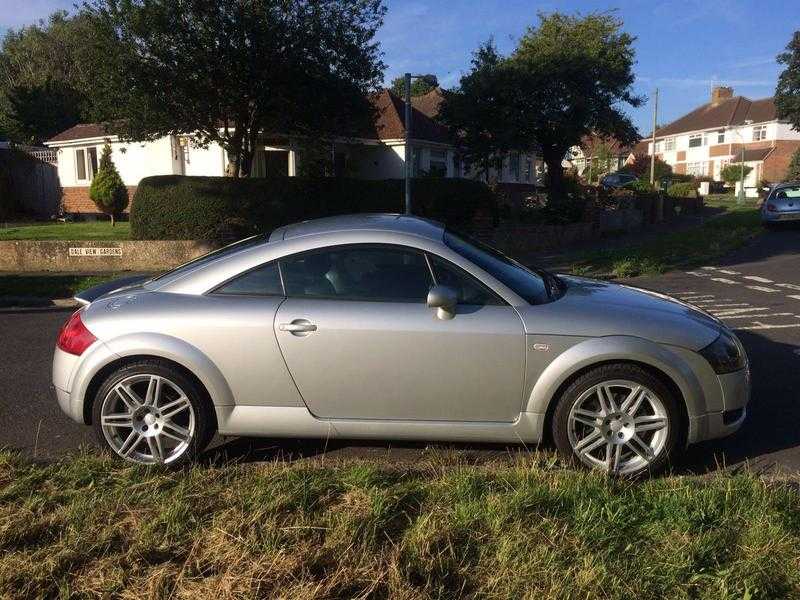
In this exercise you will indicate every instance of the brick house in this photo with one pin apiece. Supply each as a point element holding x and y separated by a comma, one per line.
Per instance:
<point>726,130</point>
<point>376,153</point>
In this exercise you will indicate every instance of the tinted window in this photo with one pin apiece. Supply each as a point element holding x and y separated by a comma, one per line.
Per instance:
<point>263,281</point>
<point>372,273</point>
<point>527,284</point>
<point>470,291</point>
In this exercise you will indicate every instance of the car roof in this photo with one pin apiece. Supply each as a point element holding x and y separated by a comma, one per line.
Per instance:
<point>786,184</point>
<point>408,224</point>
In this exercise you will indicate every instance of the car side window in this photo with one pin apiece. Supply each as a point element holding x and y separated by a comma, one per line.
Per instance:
<point>261,281</point>
<point>365,273</point>
<point>470,290</point>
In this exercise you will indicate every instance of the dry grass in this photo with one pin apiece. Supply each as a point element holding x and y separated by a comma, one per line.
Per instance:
<point>89,527</point>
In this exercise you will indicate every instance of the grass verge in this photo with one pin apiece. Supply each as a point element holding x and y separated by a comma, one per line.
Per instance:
<point>682,249</point>
<point>88,230</point>
<point>90,527</point>
<point>49,286</point>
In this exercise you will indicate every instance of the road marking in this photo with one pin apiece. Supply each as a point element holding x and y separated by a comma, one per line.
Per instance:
<point>698,274</point>
<point>726,317</point>
<point>759,325</point>
<point>729,272</point>
<point>736,311</point>
<point>709,268</point>
<point>758,279</point>
<point>761,288</point>
<point>723,280</point>
<point>789,286</point>
<point>793,297</point>
<point>697,296</point>
<point>731,305</point>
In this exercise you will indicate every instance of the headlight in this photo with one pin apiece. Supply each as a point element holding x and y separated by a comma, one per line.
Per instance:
<point>723,354</point>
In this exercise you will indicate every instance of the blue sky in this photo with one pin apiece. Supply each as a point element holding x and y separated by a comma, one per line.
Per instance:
<point>682,47</point>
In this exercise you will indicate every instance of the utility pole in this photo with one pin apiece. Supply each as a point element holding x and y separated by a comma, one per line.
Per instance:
<point>407,151</point>
<point>653,155</point>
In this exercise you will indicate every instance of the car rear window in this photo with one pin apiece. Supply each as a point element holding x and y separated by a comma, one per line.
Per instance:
<point>788,192</point>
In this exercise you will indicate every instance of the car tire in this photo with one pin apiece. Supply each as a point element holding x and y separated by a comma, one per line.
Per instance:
<point>174,423</point>
<point>630,435</point>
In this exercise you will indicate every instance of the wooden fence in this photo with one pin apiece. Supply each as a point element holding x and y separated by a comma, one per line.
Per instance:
<point>28,185</point>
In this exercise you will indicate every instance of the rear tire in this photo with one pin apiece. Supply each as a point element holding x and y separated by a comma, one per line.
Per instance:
<point>149,412</point>
<point>618,418</point>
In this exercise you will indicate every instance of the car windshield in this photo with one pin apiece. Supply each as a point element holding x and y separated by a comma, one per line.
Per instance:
<point>535,287</point>
<point>215,255</point>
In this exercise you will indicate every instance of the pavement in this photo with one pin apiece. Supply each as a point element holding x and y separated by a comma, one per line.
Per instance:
<point>755,290</point>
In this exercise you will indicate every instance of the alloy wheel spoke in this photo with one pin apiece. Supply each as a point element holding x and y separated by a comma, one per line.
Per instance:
<point>649,423</point>
<point>613,455</point>
<point>171,409</point>
<point>130,443</point>
<point>117,420</point>
<point>644,451</point>
<point>591,442</point>
<point>606,398</point>
<point>156,448</point>
<point>128,396</point>
<point>587,417</point>
<point>634,400</point>
<point>153,391</point>
<point>174,431</point>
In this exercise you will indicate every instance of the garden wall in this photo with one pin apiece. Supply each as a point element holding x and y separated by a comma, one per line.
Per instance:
<point>87,257</point>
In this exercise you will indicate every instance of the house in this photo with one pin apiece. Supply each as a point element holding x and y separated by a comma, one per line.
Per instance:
<point>597,155</point>
<point>728,129</point>
<point>375,153</point>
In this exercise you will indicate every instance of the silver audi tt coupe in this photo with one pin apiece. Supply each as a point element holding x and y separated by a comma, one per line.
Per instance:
<point>394,327</point>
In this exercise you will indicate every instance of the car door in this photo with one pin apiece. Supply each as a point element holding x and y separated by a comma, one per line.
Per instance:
<point>361,342</point>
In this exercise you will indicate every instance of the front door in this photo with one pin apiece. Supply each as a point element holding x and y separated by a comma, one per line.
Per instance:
<point>361,343</point>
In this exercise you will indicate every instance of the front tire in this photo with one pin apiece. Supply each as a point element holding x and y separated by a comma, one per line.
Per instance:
<point>149,412</point>
<point>618,418</point>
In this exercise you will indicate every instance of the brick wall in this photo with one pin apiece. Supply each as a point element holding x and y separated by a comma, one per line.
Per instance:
<point>777,162</point>
<point>76,200</point>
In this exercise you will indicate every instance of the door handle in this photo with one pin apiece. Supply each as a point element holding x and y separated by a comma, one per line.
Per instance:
<point>298,327</point>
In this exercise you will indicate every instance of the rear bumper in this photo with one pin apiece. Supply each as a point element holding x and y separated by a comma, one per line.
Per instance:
<point>780,217</point>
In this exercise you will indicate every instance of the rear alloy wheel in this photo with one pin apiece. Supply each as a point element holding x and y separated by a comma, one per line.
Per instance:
<point>619,419</point>
<point>148,413</point>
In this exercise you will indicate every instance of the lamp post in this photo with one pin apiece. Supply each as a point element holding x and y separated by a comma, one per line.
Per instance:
<point>431,80</point>
<point>740,196</point>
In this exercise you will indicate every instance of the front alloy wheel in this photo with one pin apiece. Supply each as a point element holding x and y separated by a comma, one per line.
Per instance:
<point>619,419</point>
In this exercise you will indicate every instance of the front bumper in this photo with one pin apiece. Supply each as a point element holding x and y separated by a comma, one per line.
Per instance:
<point>717,424</point>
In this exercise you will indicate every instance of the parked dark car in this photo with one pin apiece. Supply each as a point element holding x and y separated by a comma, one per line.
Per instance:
<point>617,180</point>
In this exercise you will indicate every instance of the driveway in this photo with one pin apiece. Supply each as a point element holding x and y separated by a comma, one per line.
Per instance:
<point>756,291</point>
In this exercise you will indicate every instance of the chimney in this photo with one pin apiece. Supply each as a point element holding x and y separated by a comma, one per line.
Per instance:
<point>720,93</point>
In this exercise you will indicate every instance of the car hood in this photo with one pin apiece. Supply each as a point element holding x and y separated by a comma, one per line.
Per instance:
<point>591,308</point>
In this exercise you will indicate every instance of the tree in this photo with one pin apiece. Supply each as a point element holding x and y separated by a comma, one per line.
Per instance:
<point>640,166</point>
<point>419,86</point>
<point>787,92</point>
<point>107,191</point>
<point>734,172</point>
<point>44,78</point>
<point>793,171</point>
<point>231,71</point>
<point>568,77</point>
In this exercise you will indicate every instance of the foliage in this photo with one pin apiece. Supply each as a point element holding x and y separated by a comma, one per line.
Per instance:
<point>178,207</point>
<point>787,92</point>
<point>793,170</point>
<point>419,86</point>
<point>44,78</point>
<point>683,190</point>
<point>640,166</point>
<point>642,186</point>
<point>107,190</point>
<point>230,70</point>
<point>734,172</point>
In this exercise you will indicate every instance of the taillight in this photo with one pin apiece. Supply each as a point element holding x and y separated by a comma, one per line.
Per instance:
<point>771,208</point>
<point>74,338</point>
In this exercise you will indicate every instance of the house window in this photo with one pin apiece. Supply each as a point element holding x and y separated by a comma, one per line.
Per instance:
<point>721,136</point>
<point>437,163</point>
<point>696,140</point>
<point>513,166</point>
<point>759,133</point>
<point>669,144</point>
<point>696,169</point>
<point>86,163</point>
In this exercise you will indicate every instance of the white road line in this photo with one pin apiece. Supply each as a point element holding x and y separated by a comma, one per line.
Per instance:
<point>789,286</point>
<point>729,272</point>
<point>723,280</point>
<point>726,317</point>
<point>730,305</point>
<point>687,296</point>
<point>758,279</point>
<point>735,311</point>
<point>794,297</point>
<point>698,274</point>
<point>758,325</point>
<point>709,268</point>
<point>761,288</point>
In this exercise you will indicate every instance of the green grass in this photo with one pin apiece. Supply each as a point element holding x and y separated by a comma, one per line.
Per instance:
<point>681,249</point>
<point>49,286</point>
<point>89,230</point>
<point>87,526</point>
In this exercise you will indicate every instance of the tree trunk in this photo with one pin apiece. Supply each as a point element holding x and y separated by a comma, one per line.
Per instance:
<point>555,175</point>
<point>112,219</point>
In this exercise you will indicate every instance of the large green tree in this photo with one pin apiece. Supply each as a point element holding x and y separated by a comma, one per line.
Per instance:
<point>230,71</point>
<point>793,170</point>
<point>787,92</point>
<point>419,86</point>
<point>44,78</point>
<point>569,76</point>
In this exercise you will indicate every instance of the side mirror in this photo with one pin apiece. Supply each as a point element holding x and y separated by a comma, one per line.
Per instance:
<point>444,299</point>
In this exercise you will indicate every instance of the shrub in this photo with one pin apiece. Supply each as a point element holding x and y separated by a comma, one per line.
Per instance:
<point>216,208</point>
<point>793,171</point>
<point>683,190</point>
<point>640,166</point>
<point>108,191</point>
<point>733,173</point>
<point>641,186</point>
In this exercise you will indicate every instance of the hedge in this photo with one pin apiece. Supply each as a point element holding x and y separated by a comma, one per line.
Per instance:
<point>220,208</point>
<point>683,190</point>
<point>10,205</point>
